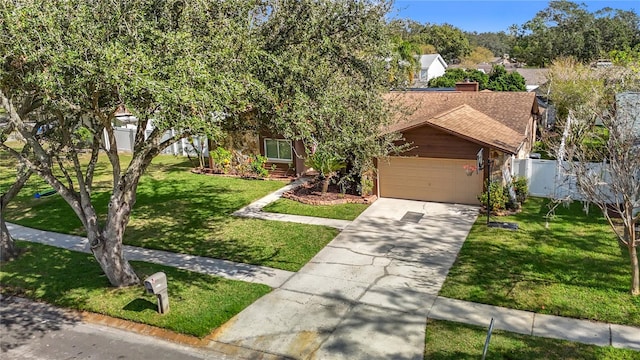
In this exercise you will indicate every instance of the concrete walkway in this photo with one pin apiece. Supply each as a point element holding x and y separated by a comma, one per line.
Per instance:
<point>529,323</point>
<point>223,268</point>
<point>368,293</point>
<point>254,210</point>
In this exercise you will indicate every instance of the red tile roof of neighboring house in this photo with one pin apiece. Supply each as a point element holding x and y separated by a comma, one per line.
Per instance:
<point>499,119</point>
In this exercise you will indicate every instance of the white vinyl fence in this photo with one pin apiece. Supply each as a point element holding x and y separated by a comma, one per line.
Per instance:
<point>125,138</point>
<point>548,178</point>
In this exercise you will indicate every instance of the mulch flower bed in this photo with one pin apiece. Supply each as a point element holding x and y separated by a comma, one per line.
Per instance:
<point>311,193</point>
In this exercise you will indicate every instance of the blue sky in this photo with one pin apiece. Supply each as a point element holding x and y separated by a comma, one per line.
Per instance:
<point>485,15</point>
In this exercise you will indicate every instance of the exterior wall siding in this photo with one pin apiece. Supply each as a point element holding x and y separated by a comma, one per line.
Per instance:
<point>427,141</point>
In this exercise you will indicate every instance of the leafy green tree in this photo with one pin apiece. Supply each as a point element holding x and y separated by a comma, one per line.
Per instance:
<point>501,80</point>
<point>497,80</point>
<point>626,58</point>
<point>568,29</point>
<point>619,29</point>
<point>181,64</point>
<point>497,42</point>
<point>477,56</point>
<point>533,43</point>
<point>455,75</point>
<point>314,70</point>
<point>403,63</point>
<point>328,74</point>
<point>449,41</point>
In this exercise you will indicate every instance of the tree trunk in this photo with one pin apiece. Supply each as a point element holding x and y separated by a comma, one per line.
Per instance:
<point>110,256</point>
<point>635,270</point>
<point>8,249</point>
<point>106,242</point>
<point>325,185</point>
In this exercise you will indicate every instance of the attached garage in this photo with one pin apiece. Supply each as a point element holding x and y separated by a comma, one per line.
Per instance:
<point>428,179</point>
<point>445,133</point>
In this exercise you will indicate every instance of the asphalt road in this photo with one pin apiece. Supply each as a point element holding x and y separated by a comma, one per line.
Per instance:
<point>31,330</point>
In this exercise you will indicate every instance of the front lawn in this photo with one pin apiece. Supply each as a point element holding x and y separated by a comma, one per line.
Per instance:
<point>573,268</point>
<point>448,340</point>
<point>197,303</point>
<point>179,211</point>
<point>339,211</point>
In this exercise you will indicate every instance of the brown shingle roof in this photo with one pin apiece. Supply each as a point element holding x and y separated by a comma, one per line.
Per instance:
<point>511,109</point>
<point>466,122</point>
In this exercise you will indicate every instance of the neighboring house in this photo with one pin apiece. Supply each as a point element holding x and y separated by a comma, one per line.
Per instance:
<point>446,132</point>
<point>533,78</point>
<point>431,66</point>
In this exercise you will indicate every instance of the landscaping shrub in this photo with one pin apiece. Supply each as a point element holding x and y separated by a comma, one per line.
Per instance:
<point>257,163</point>
<point>250,165</point>
<point>521,187</point>
<point>499,197</point>
<point>366,184</point>
<point>220,160</point>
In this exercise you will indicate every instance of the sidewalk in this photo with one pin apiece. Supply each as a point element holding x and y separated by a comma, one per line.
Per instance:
<point>223,268</point>
<point>529,323</point>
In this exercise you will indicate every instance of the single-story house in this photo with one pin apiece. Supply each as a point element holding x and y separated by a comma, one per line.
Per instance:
<point>446,131</point>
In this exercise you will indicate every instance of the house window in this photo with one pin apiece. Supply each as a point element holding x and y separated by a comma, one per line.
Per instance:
<point>278,150</point>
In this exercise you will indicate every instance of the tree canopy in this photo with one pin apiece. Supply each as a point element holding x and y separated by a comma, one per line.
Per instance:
<point>497,80</point>
<point>446,40</point>
<point>566,28</point>
<point>312,70</point>
<point>334,71</point>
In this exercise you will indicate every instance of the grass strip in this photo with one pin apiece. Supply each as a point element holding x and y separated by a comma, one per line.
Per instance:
<point>198,303</point>
<point>448,340</point>
<point>338,211</point>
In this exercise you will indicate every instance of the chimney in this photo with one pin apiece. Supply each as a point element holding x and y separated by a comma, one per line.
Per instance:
<point>467,86</point>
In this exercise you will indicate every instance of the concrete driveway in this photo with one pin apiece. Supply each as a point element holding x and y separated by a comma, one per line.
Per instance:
<point>366,295</point>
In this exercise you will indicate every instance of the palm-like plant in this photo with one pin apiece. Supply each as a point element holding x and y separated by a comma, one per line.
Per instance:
<point>327,164</point>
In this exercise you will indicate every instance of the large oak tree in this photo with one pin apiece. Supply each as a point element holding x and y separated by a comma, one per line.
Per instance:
<point>313,70</point>
<point>178,64</point>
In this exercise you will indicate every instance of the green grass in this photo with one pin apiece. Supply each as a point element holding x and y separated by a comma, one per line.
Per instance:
<point>339,211</point>
<point>573,268</point>
<point>198,303</point>
<point>179,211</point>
<point>452,341</point>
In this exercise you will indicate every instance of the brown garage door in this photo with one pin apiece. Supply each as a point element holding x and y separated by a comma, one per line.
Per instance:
<point>428,179</point>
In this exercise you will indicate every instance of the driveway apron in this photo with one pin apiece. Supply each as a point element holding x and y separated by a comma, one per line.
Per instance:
<point>367,294</point>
